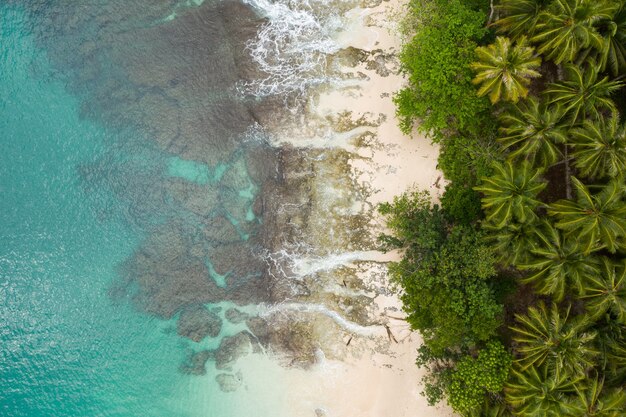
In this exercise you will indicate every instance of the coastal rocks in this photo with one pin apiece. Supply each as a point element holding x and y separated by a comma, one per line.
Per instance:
<point>219,230</point>
<point>260,328</point>
<point>201,200</point>
<point>292,337</point>
<point>196,363</point>
<point>232,348</point>
<point>235,316</point>
<point>229,382</point>
<point>296,338</point>
<point>197,322</point>
<point>320,412</point>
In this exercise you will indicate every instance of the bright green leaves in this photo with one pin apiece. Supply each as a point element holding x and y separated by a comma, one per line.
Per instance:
<point>594,219</point>
<point>474,377</point>
<point>546,338</point>
<point>440,94</point>
<point>605,291</point>
<point>533,131</point>
<point>600,148</point>
<point>582,94</point>
<point>504,70</point>
<point>511,193</point>
<point>568,26</point>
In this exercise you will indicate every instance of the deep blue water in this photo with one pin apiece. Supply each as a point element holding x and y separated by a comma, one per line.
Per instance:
<point>83,191</point>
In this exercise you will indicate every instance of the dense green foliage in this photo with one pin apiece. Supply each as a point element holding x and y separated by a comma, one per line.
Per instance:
<point>440,93</point>
<point>475,377</point>
<point>445,275</point>
<point>549,172</point>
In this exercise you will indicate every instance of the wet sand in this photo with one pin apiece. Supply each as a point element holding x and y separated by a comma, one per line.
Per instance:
<point>372,374</point>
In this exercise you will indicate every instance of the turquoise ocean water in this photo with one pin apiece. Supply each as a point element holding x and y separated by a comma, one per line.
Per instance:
<point>72,220</point>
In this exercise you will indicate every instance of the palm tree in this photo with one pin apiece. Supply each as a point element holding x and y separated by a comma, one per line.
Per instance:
<point>511,193</point>
<point>558,263</point>
<point>582,94</point>
<point>533,131</point>
<point>594,401</point>
<point>556,342</point>
<point>539,392</point>
<point>505,70</point>
<point>611,343</point>
<point>491,409</point>
<point>606,291</point>
<point>612,56</point>
<point>513,242</point>
<point>600,148</point>
<point>593,218</point>
<point>615,40</point>
<point>568,26</point>
<point>616,359</point>
<point>520,16</point>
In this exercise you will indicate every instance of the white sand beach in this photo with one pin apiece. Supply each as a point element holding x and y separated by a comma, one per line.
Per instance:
<point>382,381</point>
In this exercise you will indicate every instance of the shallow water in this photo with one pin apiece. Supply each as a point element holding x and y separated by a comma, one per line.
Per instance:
<point>83,195</point>
<point>140,201</point>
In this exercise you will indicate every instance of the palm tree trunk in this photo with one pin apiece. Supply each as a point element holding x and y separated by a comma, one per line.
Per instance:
<point>568,174</point>
<point>490,12</point>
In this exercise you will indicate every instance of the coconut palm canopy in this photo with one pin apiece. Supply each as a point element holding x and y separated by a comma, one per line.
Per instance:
<point>504,70</point>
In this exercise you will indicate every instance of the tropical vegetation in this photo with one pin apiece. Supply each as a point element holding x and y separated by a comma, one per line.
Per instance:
<point>517,278</point>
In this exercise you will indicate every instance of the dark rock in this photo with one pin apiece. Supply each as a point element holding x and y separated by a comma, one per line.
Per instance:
<point>260,328</point>
<point>197,322</point>
<point>232,348</point>
<point>235,316</point>
<point>229,382</point>
<point>195,364</point>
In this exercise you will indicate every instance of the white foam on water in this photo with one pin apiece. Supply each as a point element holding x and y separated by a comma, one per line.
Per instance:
<point>297,262</point>
<point>293,46</point>
<point>354,328</point>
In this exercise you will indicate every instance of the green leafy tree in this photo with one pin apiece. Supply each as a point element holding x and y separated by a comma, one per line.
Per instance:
<point>593,218</point>
<point>511,193</point>
<point>520,17</point>
<point>582,94</point>
<point>444,276</point>
<point>534,131</point>
<point>475,377</point>
<point>594,400</point>
<point>436,60</point>
<point>418,226</point>
<point>555,341</point>
<point>606,291</point>
<point>568,26</point>
<point>461,203</point>
<point>600,148</point>
<point>557,263</point>
<point>536,392</point>
<point>504,70</point>
<point>464,159</point>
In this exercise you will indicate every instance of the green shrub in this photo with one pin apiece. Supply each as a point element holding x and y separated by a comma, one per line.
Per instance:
<point>461,203</point>
<point>440,94</point>
<point>475,377</point>
<point>444,275</point>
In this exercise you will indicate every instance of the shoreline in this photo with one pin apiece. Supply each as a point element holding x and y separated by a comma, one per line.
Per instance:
<point>377,376</point>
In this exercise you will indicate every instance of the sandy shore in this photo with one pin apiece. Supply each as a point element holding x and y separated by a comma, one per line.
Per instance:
<point>382,380</point>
